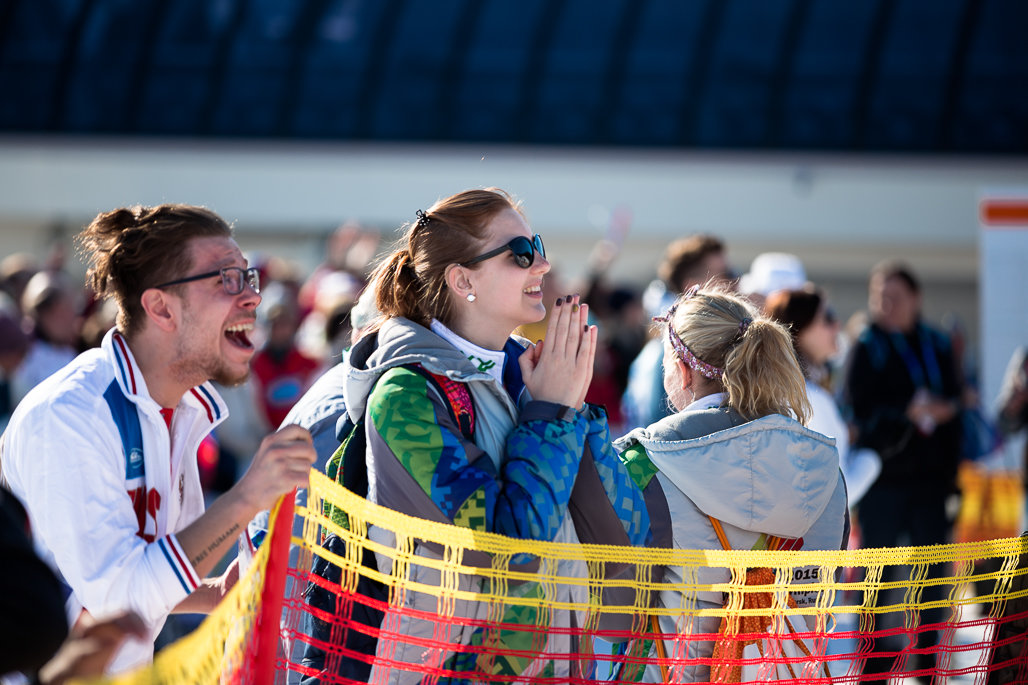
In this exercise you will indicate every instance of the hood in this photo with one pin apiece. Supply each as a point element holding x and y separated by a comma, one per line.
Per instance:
<point>770,475</point>
<point>398,342</point>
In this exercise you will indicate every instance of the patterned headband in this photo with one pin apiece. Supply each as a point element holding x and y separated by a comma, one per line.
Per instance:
<point>683,352</point>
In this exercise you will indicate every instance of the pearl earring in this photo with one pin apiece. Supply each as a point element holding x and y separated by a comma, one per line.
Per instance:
<point>471,297</point>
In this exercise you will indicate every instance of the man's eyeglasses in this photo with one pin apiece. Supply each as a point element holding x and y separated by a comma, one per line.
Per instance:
<point>524,251</point>
<point>233,279</point>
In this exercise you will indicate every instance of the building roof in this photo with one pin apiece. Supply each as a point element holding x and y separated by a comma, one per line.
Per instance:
<point>919,76</point>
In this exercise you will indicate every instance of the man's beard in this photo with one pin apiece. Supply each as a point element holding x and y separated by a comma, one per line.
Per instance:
<point>224,377</point>
<point>195,370</point>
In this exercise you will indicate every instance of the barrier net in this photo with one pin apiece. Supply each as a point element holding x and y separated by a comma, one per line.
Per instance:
<point>370,594</point>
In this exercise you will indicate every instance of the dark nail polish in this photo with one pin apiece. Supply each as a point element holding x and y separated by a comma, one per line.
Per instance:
<point>559,301</point>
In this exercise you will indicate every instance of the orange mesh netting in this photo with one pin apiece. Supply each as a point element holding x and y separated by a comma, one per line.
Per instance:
<point>382,596</point>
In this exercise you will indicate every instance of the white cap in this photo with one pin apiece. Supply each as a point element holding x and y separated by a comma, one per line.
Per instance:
<point>773,271</point>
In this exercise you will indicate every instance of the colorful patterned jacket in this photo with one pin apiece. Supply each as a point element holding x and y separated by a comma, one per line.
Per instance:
<point>515,478</point>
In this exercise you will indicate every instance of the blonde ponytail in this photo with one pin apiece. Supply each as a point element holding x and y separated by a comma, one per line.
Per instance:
<point>762,375</point>
<point>752,354</point>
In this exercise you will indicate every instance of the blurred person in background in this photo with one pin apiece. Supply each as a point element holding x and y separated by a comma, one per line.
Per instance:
<point>14,345</point>
<point>51,306</point>
<point>339,329</point>
<point>620,317</point>
<point>690,261</point>
<point>814,328</point>
<point>15,272</point>
<point>98,321</point>
<point>770,272</point>
<point>322,333</point>
<point>1012,405</point>
<point>281,372</point>
<point>334,283</point>
<point>349,250</point>
<point>902,389</point>
<point>622,335</point>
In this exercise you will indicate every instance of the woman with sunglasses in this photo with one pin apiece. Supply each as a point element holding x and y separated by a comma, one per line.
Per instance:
<point>733,467</point>
<point>814,328</point>
<point>466,273</point>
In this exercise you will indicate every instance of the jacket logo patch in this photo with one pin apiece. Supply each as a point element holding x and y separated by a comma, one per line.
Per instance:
<point>134,464</point>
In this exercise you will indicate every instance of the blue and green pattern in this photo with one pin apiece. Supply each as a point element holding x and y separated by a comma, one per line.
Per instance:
<point>622,490</point>
<point>527,499</point>
<point>508,652</point>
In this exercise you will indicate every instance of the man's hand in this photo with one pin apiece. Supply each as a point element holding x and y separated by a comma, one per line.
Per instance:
<point>283,462</point>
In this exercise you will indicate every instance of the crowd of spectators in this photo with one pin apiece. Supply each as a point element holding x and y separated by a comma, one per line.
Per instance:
<point>46,318</point>
<point>894,405</point>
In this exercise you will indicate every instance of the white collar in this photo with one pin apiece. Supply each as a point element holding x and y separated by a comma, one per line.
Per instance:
<point>707,402</point>
<point>486,361</point>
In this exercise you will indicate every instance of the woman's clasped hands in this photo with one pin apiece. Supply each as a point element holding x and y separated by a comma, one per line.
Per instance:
<point>559,368</point>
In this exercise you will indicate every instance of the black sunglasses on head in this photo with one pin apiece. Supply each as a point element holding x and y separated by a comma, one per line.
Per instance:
<point>524,251</point>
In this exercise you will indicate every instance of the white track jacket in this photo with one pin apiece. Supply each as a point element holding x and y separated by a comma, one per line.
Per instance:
<point>89,454</point>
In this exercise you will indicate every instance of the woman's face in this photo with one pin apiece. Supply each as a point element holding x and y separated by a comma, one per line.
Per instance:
<point>507,295</point>
<point>819,340</point>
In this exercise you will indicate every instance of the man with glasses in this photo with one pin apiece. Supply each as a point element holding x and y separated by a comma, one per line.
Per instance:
<point>103,453</point>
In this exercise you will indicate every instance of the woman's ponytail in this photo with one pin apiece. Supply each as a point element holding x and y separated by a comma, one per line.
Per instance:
<point>751,354</point>
<point>411,281</point>
<point>762,375</point>
<point>397,291</point>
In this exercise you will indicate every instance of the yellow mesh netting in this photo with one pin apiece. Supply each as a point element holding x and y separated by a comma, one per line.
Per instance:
<point>221,649</point>
<point>445,604</point>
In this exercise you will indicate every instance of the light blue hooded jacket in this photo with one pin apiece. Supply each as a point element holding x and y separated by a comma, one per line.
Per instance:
<point>768,476</point>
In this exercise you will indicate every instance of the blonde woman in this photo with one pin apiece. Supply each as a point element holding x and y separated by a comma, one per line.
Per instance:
<point>734,466</point>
